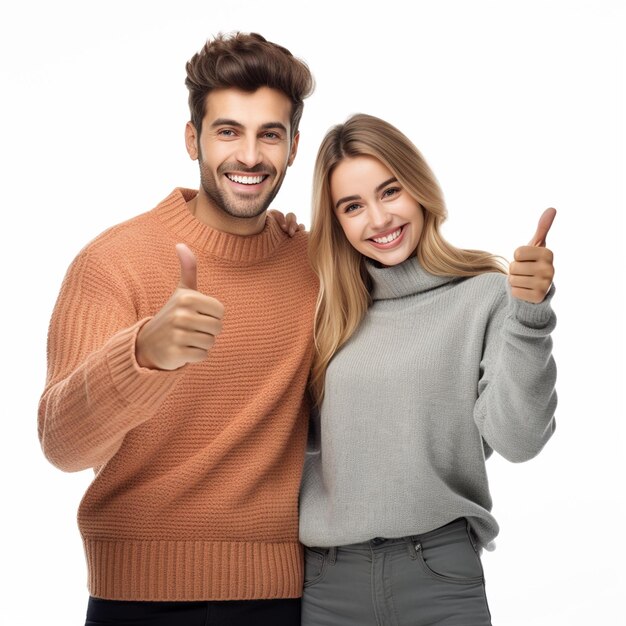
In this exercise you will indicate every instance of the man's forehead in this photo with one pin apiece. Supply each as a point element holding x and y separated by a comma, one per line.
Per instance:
<point>248,108</point>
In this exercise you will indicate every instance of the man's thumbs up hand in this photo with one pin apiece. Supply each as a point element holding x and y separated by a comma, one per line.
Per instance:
<point>532,271</point>
<point>184,330</point>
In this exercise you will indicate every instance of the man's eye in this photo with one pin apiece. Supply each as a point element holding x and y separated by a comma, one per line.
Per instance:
<point>271,136</point>
<point>226,132</point>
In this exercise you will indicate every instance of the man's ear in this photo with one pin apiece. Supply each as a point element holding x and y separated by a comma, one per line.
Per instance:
<point>191,141</point>
<point>294,148</point>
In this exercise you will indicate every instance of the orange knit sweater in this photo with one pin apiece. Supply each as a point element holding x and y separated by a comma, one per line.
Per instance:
<point>197,470</point>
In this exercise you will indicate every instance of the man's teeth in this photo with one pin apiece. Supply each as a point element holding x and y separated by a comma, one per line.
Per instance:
<point>245,180</point>
<point>388,238</point>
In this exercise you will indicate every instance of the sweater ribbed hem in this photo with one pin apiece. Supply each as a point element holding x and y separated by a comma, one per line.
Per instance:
<point>193,570</point>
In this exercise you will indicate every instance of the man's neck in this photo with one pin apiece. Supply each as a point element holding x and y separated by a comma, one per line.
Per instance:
<point>202,209</point>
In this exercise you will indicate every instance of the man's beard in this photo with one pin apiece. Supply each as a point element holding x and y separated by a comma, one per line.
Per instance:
<point>241,207</point>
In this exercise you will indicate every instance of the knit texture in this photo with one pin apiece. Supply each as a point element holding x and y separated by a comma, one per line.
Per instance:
<point>197,470</point>
<point>441,372</point>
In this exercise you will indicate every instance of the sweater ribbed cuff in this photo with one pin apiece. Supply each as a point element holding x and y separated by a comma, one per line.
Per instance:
<point>533,315</point>
<point>136,384</point>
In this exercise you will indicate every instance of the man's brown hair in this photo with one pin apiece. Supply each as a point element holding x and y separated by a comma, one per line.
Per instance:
<point>246,61</point>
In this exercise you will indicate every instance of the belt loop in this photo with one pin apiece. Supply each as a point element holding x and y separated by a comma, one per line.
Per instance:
<point>471,535</point>
<point>411,544</point>
<point>332,555</point>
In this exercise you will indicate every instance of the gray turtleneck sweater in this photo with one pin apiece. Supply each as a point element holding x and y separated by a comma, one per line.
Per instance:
<point>440,372</point>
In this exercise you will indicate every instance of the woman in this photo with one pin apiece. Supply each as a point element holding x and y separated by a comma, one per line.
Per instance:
<point>429,358</point>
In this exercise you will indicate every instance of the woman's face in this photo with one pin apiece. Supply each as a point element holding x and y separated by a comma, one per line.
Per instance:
<point>379,218</point>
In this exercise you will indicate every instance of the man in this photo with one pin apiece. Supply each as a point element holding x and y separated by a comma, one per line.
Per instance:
<point>179,351</point>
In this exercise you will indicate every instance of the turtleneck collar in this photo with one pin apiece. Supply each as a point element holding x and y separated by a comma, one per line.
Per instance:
<point>405,279</point>
<point>173,212</point>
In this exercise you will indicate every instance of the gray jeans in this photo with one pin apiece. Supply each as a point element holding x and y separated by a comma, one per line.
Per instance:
<point>424,580</point>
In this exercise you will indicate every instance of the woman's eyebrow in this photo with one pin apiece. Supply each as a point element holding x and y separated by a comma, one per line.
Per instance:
<point>393,179</point>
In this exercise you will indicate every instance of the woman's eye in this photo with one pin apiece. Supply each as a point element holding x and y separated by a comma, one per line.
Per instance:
<point>352,207</point>
<point>390,192</point>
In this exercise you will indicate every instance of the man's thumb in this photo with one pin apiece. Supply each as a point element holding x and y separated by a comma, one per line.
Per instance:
<point>188,268</point>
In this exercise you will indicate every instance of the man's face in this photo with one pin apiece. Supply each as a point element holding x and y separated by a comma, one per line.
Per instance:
<point>244,149</point>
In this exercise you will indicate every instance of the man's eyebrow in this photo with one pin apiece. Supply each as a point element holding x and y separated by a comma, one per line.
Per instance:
<point>278,125</point>
<point>223,121</point>
<point>393,179</point>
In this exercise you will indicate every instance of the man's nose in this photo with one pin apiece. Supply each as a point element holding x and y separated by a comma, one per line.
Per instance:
<point>249,153</point>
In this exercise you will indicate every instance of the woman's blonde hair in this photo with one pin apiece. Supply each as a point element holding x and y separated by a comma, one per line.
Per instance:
<point>344,294</point>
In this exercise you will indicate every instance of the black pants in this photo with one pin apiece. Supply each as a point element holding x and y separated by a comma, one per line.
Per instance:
<point>285,612</point>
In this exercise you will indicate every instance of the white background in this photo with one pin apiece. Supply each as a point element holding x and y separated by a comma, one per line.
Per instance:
<point>516,105</point>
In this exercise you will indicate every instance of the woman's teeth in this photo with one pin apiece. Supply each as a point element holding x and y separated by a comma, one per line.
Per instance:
<point>388,238</point>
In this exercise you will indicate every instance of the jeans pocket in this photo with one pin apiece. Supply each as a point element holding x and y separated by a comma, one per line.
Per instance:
<point>453,561</point>
<point>315,562</point>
